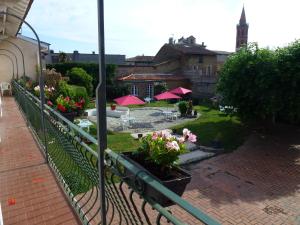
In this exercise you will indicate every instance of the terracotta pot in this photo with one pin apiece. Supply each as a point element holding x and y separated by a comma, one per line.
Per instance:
<point>176,183</point>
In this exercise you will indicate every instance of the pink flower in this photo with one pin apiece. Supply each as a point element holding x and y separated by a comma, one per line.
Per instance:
<point>154,136</point>
<point>186,132</point>
<point>49,103</point>
<point>165,134</point>
<point>192,137</point>
<point>181,140</point>
<point>172,145</point>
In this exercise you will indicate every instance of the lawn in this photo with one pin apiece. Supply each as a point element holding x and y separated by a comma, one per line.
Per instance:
<point>117,141</point>
<point>212,124</point>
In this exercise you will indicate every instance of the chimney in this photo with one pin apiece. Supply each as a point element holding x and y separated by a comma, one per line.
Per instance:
<point>93,52</point>
<point>171,40</point>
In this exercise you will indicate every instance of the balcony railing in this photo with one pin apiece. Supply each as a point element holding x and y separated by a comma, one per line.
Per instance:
<point>75,165</point>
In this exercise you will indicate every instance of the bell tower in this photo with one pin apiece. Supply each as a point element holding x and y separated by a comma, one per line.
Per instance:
<point>241,31</point>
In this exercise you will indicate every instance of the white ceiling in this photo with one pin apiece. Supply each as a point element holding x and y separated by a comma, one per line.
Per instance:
<point>9,25</point>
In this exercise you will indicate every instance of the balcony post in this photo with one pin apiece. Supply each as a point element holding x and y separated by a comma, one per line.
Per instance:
<point>101,109</point>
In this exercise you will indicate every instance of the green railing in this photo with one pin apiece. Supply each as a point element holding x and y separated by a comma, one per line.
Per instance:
<point>75,165</point>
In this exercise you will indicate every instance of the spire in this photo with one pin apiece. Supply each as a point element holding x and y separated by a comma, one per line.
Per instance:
<point>243,17</point>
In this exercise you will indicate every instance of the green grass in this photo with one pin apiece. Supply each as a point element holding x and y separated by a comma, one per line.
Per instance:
<point>117,141</point>
<point>213,124</point>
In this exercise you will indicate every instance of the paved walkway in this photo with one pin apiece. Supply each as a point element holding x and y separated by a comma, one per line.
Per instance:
<point>257,184</point>
<point>29,193</point>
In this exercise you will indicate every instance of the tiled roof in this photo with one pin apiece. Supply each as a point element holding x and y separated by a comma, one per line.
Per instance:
<point>141,58</point>
<point>193,49</point>
<point>152,77</point>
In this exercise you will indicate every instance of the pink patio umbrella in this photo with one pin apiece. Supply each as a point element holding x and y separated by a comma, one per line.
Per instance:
<point>166,95</point>
<point>129,100</point>
<point>180,91</point>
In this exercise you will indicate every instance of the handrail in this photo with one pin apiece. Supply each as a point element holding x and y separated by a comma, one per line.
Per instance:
<point>86,161</point>
<point>150,180</point>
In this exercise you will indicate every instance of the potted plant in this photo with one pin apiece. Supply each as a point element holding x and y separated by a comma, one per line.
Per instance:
<point>80,105</point>
<point>158,155</point>
<point>66,107</point>
<point>113,106</point>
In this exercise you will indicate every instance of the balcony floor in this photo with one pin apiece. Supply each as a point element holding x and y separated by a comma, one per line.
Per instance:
<point>29,193</point>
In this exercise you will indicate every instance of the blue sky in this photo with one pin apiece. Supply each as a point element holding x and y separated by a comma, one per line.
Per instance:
<point>136,27</point>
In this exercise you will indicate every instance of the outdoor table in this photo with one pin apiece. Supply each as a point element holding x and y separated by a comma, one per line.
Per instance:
<point>85,123</point>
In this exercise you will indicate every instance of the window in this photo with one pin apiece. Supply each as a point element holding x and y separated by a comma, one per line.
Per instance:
<point>150,90</point>
<point>200,59</point>
<point>208,70</point>
<point>134,90</point>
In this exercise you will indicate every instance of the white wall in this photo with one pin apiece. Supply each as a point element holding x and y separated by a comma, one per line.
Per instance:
<point>29,50</point>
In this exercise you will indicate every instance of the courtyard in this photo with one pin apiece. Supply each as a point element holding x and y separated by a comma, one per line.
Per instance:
<point>256,184</point>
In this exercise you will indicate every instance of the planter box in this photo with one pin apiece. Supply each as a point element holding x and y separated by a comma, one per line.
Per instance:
<point>176,180</point>
<point>69,115</point>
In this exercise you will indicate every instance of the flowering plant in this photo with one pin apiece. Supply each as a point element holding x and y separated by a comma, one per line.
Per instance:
<point>65,104</point>
<point>49,91</point>
<point>163,149</point>
<point>80,104</point>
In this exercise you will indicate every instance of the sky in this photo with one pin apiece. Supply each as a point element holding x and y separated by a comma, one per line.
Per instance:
<point>137,27</point>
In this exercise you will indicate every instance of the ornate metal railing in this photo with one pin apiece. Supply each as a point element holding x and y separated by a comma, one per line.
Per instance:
<point>75,165</point>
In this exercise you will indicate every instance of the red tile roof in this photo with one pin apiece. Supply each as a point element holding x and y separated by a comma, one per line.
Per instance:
<point>152,77</point>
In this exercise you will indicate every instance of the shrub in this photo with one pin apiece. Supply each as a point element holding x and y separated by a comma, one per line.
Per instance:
<point>159,88</point>
<point>52,78</point>
<point>182,106</point>
<point>79,76</point>
<point>77,93</point>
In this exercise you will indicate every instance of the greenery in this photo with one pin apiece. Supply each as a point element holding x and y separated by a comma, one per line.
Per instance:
<point>119,142</point>
<point>159,88</point>
<point>79,76</point>
<point>113,88</point>
<point>213,124</point>
<point>263,85</point>
<point>65,104</point>
<point>77,93</point>
<point>183,106</point>
<point>63,57</point>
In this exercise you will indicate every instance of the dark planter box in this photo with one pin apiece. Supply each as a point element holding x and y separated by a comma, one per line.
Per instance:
<point>69,115</point>
<point>177,183</point>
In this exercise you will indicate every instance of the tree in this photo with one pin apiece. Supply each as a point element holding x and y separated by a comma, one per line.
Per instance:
<point>63,57</point>
<point>263,85</point>
<point>248,82</point>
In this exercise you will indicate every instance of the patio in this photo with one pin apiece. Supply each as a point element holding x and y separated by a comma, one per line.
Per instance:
<point>257,184</point>
<point>29,193</point>
<point>146,119</point>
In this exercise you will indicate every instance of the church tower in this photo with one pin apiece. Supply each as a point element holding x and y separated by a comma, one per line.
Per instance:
<point>241,31</point>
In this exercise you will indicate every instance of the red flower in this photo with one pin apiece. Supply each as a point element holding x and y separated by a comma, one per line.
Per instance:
<point>78,105</point>
<point>67,98</point>
<point>61,108</point>
<point>49,103</point>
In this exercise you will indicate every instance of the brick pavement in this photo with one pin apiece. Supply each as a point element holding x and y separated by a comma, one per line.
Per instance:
<point>29,193</point>
<point>257,184</point>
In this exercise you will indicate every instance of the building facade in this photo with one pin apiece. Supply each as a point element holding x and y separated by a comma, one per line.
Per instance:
<point>183,63</point>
